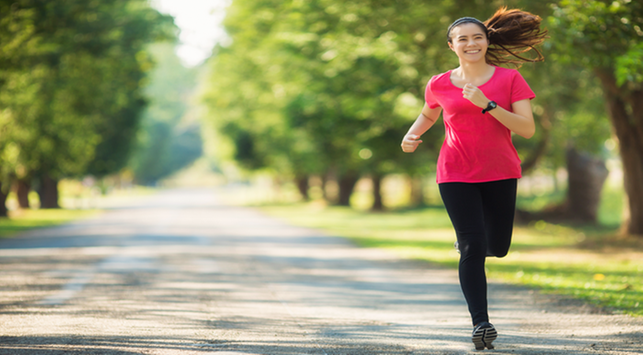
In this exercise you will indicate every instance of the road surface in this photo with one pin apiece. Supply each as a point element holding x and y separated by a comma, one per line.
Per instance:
<point>180,273</point>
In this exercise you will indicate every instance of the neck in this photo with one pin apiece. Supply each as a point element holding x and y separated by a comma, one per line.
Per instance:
<point>472,70</point>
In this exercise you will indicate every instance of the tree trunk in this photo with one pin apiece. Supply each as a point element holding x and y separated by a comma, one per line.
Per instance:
<point>324,180</point>
<point>378,205</point>
<point>330,189</point>
<point>631,149</point>
<point>3,202</point>
<point>48,192</point>
<point>346,184</point>
<point>625,109</point>
<point>22,188</point>
<point>586,176</point>
<point>302,186</point>
<point>417,191</point>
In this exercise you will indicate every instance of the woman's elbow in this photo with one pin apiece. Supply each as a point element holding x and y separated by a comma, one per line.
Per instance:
<point>528,133</point>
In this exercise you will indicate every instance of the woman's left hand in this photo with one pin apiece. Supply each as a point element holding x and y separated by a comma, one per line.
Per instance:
<point>475,95</point>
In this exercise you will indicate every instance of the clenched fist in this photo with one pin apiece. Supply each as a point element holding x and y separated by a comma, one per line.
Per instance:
<point>475,95</point>
<point>410,143</point>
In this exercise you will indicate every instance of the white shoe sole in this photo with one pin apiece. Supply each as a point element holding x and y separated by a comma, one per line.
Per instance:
<point>483,337</point>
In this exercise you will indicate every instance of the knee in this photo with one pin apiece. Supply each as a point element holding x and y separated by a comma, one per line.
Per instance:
<point>472,249</point>
<point>497,252</point>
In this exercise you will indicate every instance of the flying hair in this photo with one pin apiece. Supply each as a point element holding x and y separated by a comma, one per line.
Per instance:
<point>510,33</point>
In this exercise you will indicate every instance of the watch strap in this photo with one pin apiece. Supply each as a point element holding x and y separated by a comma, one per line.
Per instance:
<point>490,106</point>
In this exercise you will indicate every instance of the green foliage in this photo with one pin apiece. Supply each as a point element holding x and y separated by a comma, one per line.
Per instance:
<point>596,33</point>
<point>601,34</point>
<point>70,84</point>
<point>629,67</point>
<point>329,74</point>
<point>317,86</point>
<point>340,78</point>
<point>167,139</point>
<point>248,93</point>
<point>605,37</point>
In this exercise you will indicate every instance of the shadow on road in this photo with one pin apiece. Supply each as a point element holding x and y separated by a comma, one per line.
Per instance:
<point>188,276</point>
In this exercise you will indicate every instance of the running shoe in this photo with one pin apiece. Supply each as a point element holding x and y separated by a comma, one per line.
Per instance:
<point>483,335</point>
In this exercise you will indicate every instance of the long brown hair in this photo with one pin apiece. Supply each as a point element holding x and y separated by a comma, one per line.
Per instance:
<point>511,33</point>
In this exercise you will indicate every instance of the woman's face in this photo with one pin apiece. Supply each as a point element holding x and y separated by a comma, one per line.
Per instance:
<point>469,42</point>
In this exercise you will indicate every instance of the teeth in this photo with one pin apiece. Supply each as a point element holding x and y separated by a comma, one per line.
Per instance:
<point>476,51</point>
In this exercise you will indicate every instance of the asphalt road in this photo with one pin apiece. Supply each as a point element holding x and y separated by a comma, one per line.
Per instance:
<point>180,273</point>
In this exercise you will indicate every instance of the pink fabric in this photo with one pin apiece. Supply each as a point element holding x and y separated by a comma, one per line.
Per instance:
<point>477,148</point>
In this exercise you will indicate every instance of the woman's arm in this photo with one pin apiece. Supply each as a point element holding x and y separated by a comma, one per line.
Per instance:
<point>520,121</point>
<point>425,120</point>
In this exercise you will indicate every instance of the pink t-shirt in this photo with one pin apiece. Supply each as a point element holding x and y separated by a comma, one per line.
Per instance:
<point>477,148</point>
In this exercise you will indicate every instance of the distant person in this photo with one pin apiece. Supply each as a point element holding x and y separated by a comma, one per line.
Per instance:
<point>478,167</point>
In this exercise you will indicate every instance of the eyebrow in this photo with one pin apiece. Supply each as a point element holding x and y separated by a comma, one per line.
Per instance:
<point>475,34</point>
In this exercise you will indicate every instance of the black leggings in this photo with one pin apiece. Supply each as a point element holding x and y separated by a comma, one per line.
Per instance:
<point>482,215</point>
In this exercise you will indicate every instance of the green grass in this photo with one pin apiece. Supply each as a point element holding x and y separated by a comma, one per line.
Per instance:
<point>23,220</point>
<point>585,262</point>
<point>77,202</point>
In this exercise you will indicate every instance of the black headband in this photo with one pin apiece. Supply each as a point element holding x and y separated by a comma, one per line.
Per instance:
<point>462,20</point>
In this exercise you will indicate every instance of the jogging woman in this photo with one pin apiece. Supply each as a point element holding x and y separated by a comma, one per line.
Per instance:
<point>478,167</point>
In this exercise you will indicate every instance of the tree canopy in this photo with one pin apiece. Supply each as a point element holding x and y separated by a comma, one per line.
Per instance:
<point>70,86</point>
<point>605,37</point>
<point>168,139</point>
<point>329,87</point>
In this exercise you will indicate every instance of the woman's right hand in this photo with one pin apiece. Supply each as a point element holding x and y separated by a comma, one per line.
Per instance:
<point>410,143</point>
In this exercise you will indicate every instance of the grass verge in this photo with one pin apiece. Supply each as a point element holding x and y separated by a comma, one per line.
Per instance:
<point>23,220</point>
<point>587,263</point>
<point>77,201</point>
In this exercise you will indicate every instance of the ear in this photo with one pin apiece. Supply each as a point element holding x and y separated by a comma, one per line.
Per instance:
<point>450,46</point>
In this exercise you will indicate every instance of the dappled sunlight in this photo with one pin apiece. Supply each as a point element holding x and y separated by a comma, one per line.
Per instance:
<point>181,272</point>
<point>543,255</point>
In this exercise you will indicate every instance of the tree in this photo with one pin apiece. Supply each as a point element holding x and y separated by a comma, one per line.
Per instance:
<point>251,91</point>
<point>166,141</point>
<point>344,77</point>
<point>324,75</point>
<point>70,86</point>
<point>605,36</point>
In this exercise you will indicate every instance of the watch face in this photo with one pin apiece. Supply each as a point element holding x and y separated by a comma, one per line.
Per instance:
<point>490,106</point>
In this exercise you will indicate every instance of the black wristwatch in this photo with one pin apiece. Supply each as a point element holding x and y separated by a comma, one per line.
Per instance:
<point>490,106</point>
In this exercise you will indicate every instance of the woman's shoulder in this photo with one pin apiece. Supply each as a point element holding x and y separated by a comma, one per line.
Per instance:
<point>442,76</point>
<point>502,71</point>
<point>439,80</point>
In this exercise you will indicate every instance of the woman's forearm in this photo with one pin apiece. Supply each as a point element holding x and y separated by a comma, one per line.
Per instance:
<point>421,125</point>
<point>520,121</point>
<point>425,120</point>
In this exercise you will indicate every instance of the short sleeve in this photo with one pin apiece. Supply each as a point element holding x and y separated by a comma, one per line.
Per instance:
<point>520,90</point>
<point>430,99</point>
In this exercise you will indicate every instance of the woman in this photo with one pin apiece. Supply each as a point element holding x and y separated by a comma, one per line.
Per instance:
<point>478,166</point>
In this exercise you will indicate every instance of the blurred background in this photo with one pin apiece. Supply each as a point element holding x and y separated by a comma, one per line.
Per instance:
<point>299,100</point>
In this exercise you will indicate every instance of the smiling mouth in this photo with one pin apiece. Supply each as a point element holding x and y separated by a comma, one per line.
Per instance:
<point>472,51</point>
